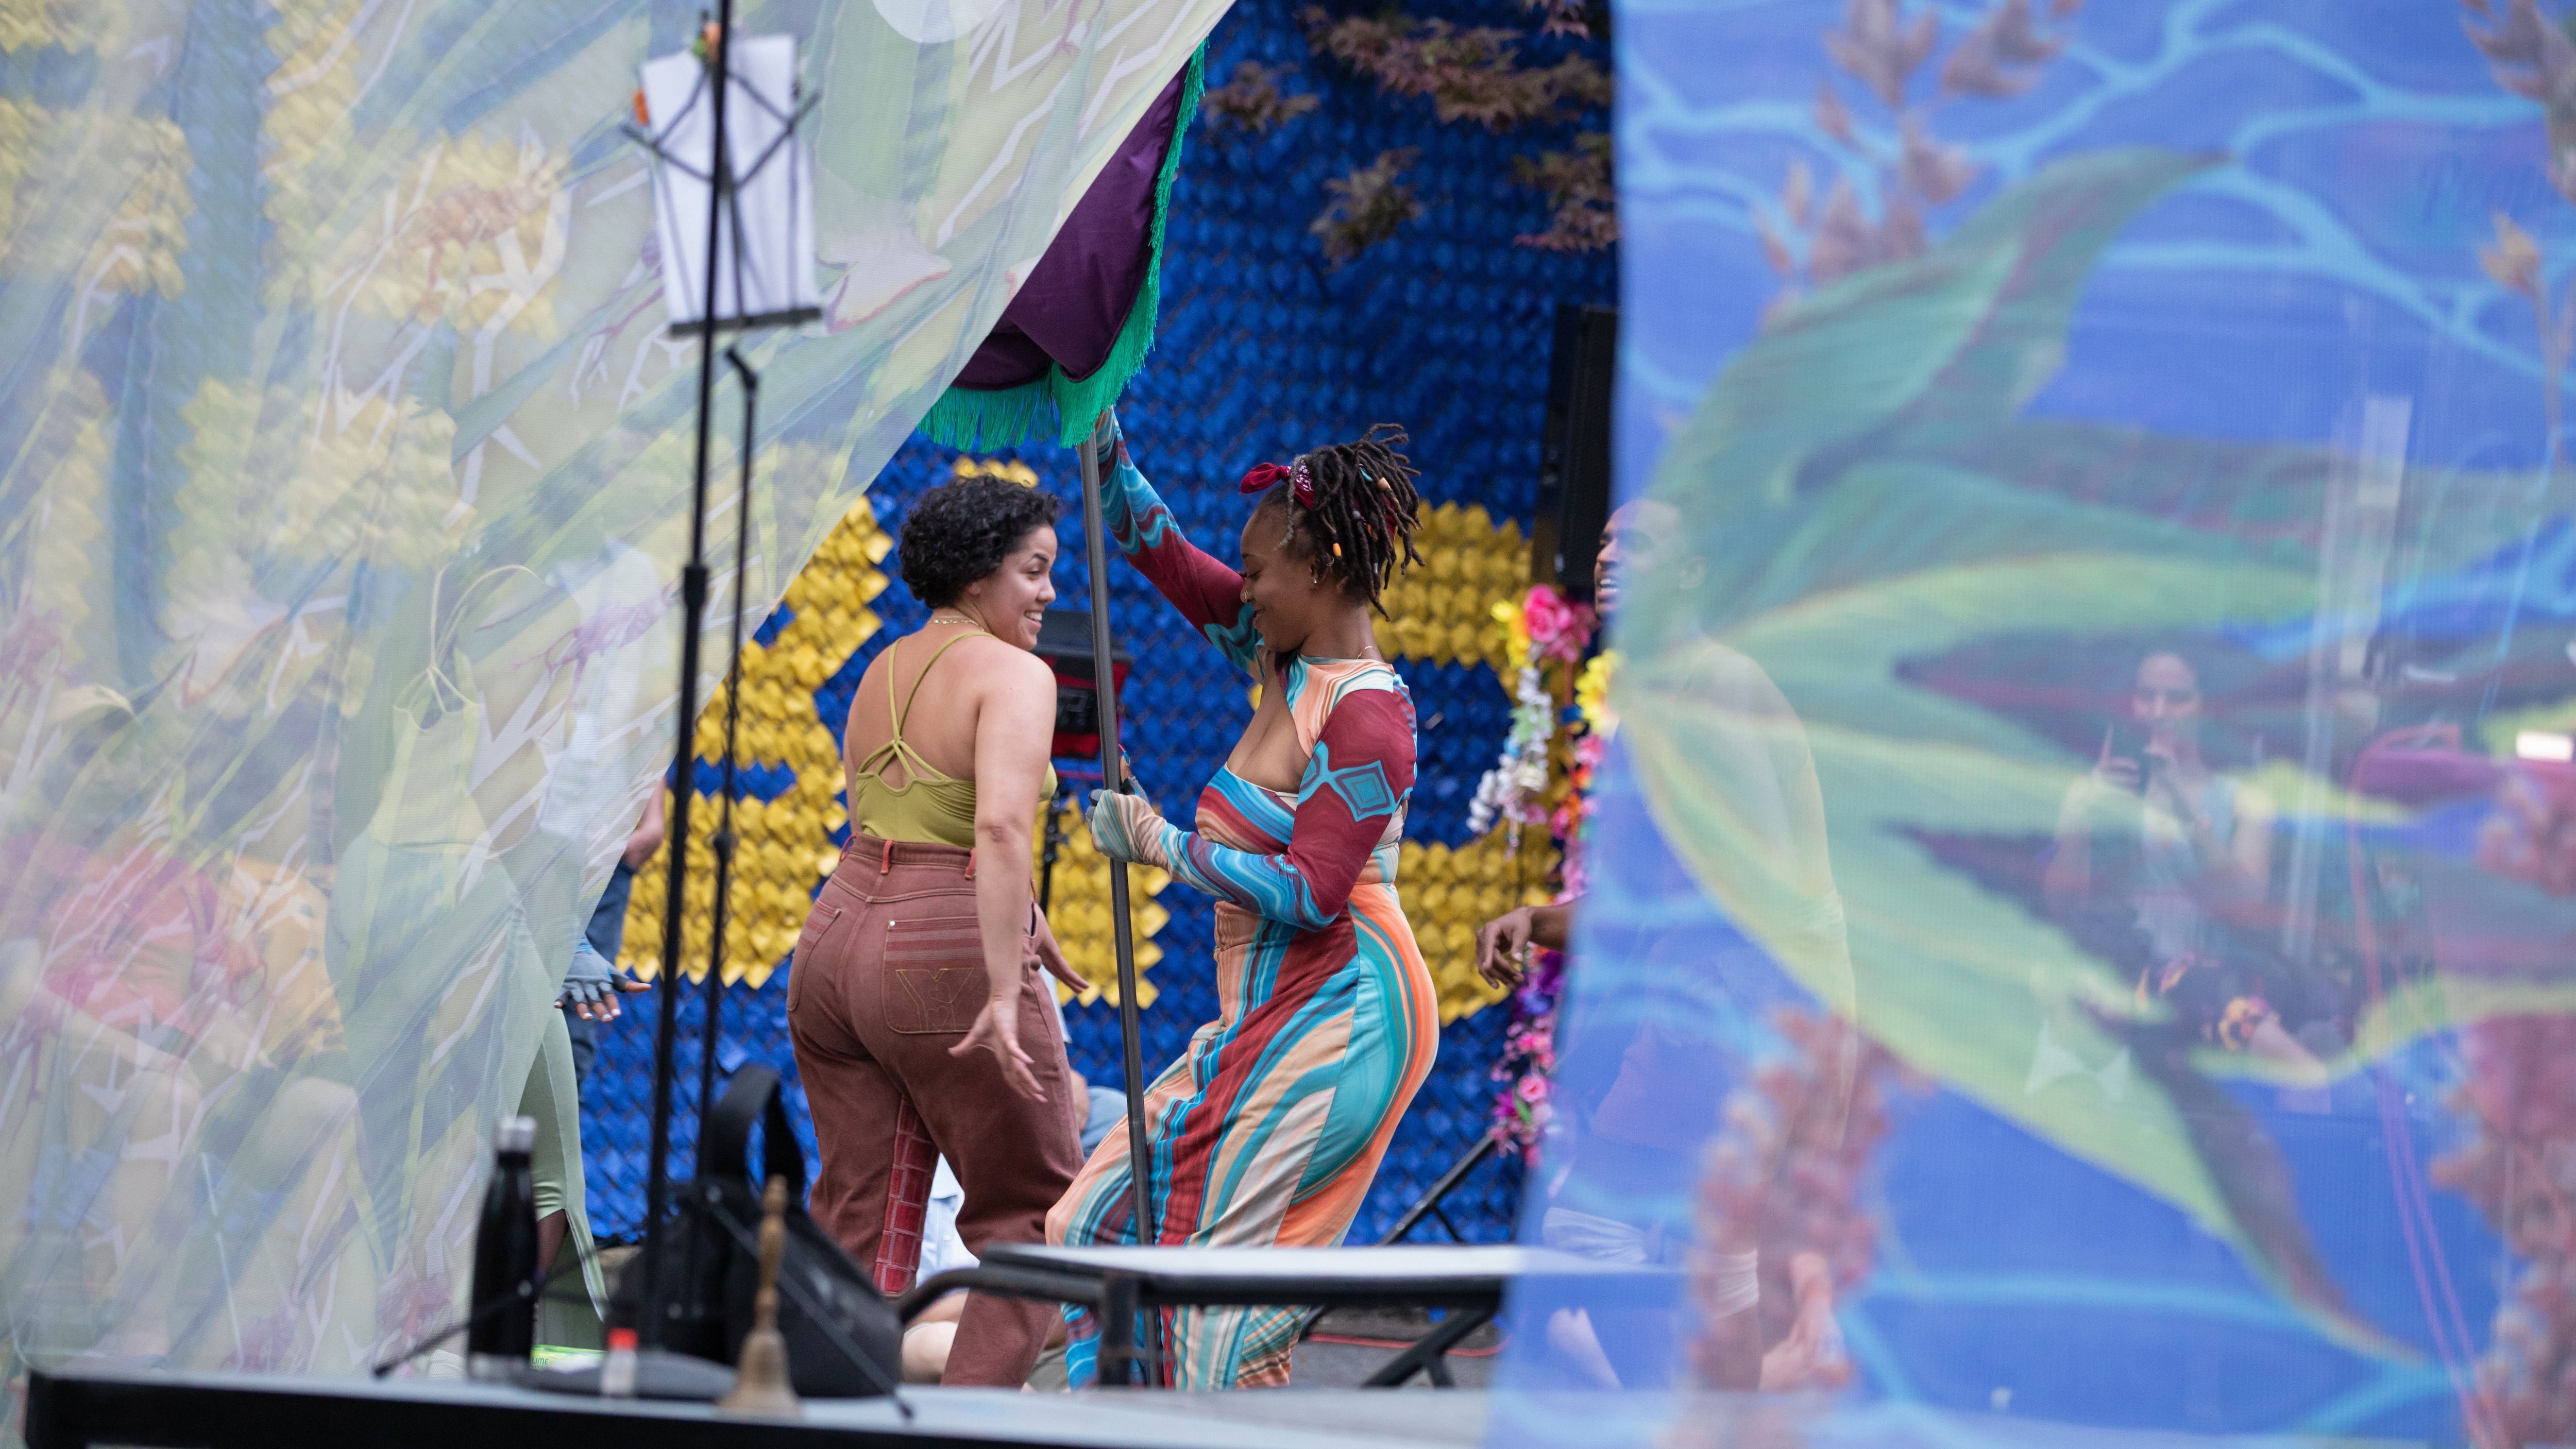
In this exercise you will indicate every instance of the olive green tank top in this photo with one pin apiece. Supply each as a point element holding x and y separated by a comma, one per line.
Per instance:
<point>929,807</point>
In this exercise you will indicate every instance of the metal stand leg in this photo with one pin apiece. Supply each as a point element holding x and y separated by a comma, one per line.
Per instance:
<point>1430,1353</point>
<point>1120,1352</point>
<point>1448,1183</point>
<point>1413,1215</point>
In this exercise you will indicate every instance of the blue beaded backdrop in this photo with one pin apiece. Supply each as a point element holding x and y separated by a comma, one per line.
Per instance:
<point>1266,349</point>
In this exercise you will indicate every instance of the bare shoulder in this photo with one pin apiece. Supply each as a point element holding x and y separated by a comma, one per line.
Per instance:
<point>1721,675</point>
<point>1007,668</point>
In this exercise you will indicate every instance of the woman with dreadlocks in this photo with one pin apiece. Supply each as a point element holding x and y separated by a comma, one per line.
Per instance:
<point>1270,1127</point>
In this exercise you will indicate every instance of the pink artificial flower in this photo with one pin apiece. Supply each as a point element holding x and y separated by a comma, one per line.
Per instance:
<point>1548,617</point>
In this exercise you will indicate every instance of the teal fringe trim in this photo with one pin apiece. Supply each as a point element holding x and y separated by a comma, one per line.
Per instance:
<point>967,419</point>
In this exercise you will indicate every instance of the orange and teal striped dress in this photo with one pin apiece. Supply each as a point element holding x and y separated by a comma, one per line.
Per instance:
<point>1271,1126</point>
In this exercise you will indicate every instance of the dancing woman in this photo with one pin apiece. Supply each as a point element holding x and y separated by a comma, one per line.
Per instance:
<point>915,982</point>
<point>1270,1127</point>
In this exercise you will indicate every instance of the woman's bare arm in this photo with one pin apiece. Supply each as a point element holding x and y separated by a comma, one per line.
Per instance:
<point>1014,722</point>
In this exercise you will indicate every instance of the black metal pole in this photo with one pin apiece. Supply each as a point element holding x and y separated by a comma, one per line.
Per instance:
<point>1104,676</point>
<point>1050,843</point>
<point>693,613</point>
<point>724,836</point>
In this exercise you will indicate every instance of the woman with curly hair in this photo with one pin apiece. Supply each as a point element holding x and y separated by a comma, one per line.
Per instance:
<point>921,1024</point>
<point>1270,1127</point>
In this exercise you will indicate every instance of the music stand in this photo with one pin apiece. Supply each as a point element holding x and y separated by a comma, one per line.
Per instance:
<point>772,286</point>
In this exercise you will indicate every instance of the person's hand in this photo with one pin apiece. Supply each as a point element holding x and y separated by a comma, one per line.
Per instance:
<point>1812,1356</point>
<point>2116,772</point>
<point>1126,827</point>
<point>1044,951</point>
<point>591,987</point>
<point>1502,947</point>
<point>997,1030</point>
<point>2105,797</point>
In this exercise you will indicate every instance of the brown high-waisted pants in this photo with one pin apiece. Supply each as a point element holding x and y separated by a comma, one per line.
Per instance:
<point>887,976</point>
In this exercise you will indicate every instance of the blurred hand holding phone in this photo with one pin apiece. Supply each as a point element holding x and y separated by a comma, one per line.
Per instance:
<point>2123,764</point>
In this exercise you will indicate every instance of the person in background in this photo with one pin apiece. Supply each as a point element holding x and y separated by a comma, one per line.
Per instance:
<point>1504,943</point>
<point>922,1026</point>
<point>2181,852</point>
<point>1638,1082</point>
<point>552,1097</point>
<point>592,986</point>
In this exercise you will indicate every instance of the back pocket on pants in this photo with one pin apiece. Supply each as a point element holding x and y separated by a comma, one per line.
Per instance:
<point>934,975</point>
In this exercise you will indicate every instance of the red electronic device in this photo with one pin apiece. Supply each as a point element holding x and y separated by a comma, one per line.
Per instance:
<point>1064,642</point>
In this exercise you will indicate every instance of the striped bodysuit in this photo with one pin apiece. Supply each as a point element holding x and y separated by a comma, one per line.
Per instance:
<point>1269,1129</point>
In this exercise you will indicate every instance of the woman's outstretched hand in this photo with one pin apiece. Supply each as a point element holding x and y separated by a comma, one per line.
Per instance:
<point>997,1030</point>
<point>1503,947</point>
<point>1127,827</point>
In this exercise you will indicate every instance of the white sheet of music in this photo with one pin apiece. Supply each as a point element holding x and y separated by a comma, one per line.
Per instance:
<point>775,206</point>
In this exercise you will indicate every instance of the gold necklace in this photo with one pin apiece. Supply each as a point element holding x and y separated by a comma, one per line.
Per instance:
<point>969,623</point>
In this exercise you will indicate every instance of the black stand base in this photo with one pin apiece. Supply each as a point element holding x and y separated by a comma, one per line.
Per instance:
<point>659,1374</point>
<point>1429,1355</point>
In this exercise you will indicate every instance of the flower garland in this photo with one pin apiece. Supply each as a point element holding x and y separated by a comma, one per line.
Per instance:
<point>1528,1066</point>
<point>1543,626</point>
<point>1597,723</point>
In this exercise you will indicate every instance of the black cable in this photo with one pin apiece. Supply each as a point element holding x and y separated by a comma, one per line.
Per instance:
<point>528,1292</point>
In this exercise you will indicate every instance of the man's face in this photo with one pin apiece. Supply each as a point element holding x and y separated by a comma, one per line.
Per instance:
<point>1639,537</point>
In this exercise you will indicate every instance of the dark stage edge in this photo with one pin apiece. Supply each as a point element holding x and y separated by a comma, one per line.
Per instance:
<point>239,1411</point>
<point>236,1411</point>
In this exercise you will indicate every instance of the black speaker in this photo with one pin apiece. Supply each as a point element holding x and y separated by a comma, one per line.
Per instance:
<point>1574,453</point>
<point>1064,642</point>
